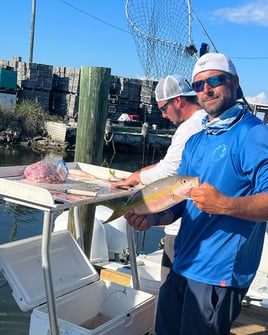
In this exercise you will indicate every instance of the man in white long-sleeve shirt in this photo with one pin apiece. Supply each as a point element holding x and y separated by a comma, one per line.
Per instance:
<point>177,102</point>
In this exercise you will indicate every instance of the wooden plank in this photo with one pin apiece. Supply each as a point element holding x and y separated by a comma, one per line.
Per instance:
<point>253,320</point>
<point>115,276</point>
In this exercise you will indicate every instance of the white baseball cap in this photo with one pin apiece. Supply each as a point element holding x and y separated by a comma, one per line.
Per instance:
<point>214,61</point>
<point>173,86</point>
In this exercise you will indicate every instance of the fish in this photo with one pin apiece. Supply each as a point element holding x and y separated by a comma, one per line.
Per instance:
<point>86,176</point>
<point>157,196</point>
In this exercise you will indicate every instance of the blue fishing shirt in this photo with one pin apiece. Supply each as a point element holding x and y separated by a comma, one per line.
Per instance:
<point>219,249</point>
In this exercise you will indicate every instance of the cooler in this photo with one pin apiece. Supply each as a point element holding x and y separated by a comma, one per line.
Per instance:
<point>84,304</point>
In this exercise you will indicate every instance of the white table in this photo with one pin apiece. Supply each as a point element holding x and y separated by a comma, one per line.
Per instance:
<point>51,198</point>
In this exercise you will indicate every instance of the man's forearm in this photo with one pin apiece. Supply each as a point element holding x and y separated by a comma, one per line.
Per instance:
<point>253,208</point>
<point>164,218</point>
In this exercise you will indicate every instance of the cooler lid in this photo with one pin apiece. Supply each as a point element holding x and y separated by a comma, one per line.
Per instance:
<point>20,262</point>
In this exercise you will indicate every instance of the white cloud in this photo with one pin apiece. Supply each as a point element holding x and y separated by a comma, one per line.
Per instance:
<point>254,12</point>
<point>258,99</point>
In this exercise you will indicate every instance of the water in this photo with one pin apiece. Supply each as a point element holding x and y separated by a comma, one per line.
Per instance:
<point>19,222</point>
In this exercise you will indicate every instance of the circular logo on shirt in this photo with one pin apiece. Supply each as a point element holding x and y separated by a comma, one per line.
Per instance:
<point>219,152</point>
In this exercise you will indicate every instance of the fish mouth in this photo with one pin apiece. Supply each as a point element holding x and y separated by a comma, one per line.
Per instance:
<point>186,192</point>
<point>196,182</point>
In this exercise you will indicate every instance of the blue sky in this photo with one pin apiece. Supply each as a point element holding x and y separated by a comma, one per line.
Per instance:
<point>74,33</point>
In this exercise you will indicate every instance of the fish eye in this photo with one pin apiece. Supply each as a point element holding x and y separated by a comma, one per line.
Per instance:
<point>183,181</point>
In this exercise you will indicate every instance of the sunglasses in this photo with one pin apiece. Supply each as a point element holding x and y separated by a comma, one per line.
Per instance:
<point>214,81</point>
<point>163,108</point>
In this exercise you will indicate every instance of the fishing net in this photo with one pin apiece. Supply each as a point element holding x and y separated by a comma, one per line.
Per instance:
<point>162,33</point>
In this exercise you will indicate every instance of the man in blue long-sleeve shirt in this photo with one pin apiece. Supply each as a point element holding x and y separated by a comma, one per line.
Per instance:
<point>219,245</point>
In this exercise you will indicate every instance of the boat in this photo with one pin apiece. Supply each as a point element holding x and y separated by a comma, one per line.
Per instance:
<point>110,251</point>
<point>112,237</point>
<point>113,254</point>
<point>253,318</point>
<point>258,291</point>
<point>111,258</point>
<point>66,293</point>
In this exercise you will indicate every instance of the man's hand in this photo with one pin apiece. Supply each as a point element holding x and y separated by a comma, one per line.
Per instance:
<point>144,222</point>
<point>132,180</point>
<point>208,199</point>
<point>140,222</point>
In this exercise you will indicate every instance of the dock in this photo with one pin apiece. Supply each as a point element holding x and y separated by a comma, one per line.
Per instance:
<point>62,137</point>
<point>253,320</point>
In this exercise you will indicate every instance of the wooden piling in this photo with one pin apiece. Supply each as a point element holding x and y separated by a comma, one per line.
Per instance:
<point>92,113</point>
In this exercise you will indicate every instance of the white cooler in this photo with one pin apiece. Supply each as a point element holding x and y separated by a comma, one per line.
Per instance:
<point>85,305</point>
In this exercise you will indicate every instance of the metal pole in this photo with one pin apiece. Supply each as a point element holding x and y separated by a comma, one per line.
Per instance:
<point>46,265</point>
<point>32,31</point>
<point>78,228</point>
<point>132,256</point>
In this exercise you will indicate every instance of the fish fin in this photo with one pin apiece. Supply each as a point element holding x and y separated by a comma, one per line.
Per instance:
<point>117,211</point>
<point>177,198</point>
<point>115,215</point>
